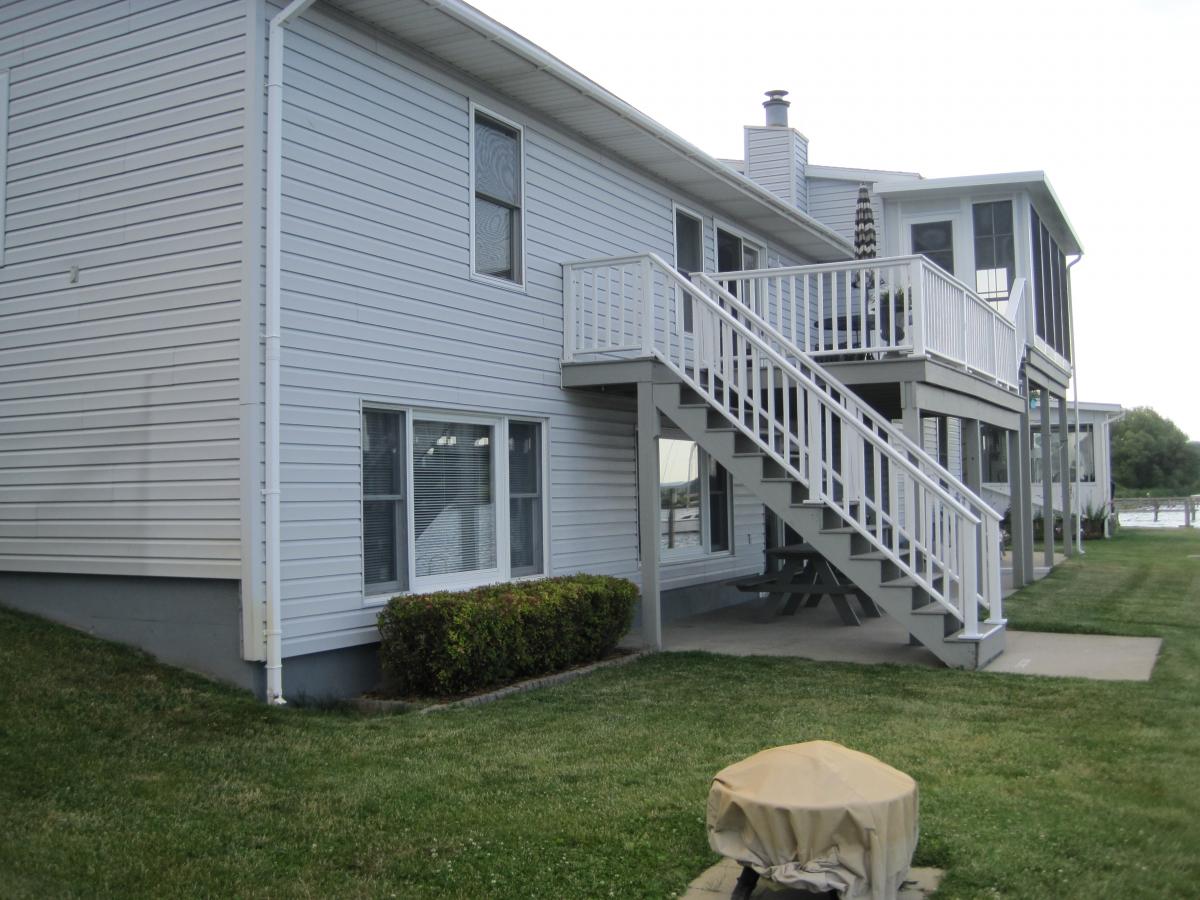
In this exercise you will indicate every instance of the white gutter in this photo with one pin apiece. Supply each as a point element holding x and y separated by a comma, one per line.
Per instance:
<point>1078,435</point>
<point>274,630</point>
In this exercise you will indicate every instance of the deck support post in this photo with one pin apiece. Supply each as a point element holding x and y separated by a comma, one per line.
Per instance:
<point>972,455</point>
<point>1024,464</point>
<point>648,429</point>
<point>1047,482</point>
<point>1018,523</point>
<point>972,477</point>
<point>1064,468</point>
<point>910,424</point>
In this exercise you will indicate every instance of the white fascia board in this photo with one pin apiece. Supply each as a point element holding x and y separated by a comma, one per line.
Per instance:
<point>840,173</point>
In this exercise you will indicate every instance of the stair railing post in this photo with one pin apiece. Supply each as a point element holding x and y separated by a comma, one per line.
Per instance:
<point>995,592</point>
<point>917,289</point>
<point>570,298</point>
<point>647,307</point>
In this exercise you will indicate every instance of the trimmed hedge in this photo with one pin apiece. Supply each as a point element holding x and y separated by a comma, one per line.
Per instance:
<point>455,642</point>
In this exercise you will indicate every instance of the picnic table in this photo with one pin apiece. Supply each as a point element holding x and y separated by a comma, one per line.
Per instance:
<point>805,576</point>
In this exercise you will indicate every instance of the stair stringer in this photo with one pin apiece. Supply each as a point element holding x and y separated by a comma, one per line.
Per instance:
<point>929,623</point>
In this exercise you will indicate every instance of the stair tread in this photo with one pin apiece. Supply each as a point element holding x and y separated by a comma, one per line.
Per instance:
<point>904,581</point>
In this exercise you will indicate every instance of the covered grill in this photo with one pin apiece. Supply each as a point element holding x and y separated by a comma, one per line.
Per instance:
<point>817,816</point>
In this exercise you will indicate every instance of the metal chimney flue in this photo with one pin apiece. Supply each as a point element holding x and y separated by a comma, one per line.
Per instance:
<point>777,108</point>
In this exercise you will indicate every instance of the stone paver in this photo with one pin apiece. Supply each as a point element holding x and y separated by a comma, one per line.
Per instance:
<point>718,882</point>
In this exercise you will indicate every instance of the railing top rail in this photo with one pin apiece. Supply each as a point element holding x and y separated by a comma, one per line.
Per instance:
<point>883,446</point>
<point>608,261</point>
<point>849,265</point>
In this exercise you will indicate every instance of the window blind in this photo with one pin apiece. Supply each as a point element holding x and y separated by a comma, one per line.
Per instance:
<point>454,512</point>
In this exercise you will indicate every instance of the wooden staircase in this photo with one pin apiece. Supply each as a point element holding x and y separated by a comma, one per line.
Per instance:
<point>871,570</point>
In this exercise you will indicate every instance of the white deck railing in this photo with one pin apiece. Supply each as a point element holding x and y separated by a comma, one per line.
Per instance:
<point>902,306</point>
<point>923,519</point>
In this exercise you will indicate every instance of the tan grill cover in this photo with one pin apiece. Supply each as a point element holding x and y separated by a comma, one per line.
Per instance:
<point>817,816</point>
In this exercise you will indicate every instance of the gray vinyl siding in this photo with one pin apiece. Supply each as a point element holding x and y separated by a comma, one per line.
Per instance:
<point>799,171</point>
<point>380,308</point>
<point>120,289</point>
<point>832,202</point>
<point>770,161</point>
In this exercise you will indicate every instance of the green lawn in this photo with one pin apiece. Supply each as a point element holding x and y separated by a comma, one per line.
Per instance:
<point>120,777</point>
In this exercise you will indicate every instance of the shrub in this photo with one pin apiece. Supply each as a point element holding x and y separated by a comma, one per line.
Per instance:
<point>454,642</point>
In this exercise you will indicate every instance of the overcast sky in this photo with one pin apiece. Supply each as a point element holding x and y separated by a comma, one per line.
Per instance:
<point>1104,97</point>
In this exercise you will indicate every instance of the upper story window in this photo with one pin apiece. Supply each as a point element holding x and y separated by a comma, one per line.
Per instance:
<point>689,254</point>
<point>935,241</point>
<point>995,255</point>
<point>498,201</point>
<point>693,500</point>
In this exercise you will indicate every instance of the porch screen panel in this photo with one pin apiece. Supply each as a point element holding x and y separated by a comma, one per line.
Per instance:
<point>1039,280</point>
<point>525,497</point>
<point>454,509</point>
<point>383,511</point>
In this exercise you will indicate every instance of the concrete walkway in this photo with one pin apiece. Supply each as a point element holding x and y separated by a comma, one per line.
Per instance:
<point>752,629</point>
<point>1100,657</point>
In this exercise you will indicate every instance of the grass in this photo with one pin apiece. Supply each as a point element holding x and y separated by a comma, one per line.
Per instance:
<point>121,777</point>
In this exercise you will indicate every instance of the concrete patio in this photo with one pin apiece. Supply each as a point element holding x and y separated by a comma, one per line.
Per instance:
<point>755,629</point>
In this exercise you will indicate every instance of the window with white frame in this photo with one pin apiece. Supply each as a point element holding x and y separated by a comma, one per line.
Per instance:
<point>689,254</point>
<point>995,249</point>
<point>935,241</point>
<point>450,500</point>
<point>496,179</point>
<point>694,507</point>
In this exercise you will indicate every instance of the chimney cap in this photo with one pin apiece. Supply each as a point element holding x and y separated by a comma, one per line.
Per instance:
<point>776,108</point>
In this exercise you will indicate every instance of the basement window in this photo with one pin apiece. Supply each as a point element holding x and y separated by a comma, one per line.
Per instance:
<point>694,505</point>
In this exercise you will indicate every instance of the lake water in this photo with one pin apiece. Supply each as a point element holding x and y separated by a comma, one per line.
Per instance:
<point>1168,517</point>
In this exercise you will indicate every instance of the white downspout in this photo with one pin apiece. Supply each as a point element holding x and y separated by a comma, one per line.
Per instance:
<point>1075,391</point>
<point>274,630</point>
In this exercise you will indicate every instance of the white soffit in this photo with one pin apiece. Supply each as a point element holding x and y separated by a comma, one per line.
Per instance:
<point>483,49</point>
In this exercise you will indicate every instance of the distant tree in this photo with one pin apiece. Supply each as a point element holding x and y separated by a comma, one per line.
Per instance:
<point>1151,453</point>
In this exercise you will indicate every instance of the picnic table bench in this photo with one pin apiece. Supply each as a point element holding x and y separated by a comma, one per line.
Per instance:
<point>805,576</point>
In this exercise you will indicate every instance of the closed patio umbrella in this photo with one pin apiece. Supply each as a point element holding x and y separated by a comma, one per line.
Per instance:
<point>864,231</point>
<point>864,225</point>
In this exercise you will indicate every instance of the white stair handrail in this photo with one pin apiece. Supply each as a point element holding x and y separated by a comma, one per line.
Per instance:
<point>849,398</point>
<point>962,568</point>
